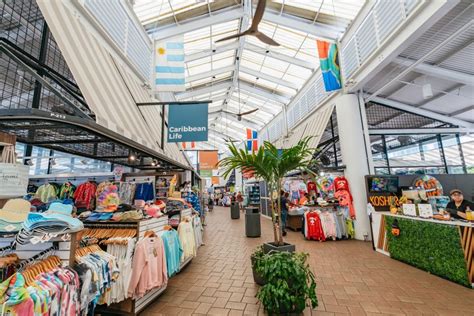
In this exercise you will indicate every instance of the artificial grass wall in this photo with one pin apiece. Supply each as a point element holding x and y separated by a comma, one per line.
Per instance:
<point>432,247</point>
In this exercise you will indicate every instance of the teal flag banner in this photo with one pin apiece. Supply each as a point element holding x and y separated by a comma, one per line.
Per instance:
<point>187,123</point>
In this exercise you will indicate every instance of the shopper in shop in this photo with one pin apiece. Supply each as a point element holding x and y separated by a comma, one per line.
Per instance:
<point>240,200</point>
<point>458,205</point>
<point>284,209</point>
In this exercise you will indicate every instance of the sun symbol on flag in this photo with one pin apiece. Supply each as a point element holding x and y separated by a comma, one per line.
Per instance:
<point>161,51</point>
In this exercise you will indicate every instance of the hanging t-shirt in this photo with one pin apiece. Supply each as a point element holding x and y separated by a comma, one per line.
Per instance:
<point>311,187</point>
<point>145,191</point>
<point>341,183</point>
<point>47,192</point>
<point>173,251</point>
<point>313,227</point>
<point>186,237</point>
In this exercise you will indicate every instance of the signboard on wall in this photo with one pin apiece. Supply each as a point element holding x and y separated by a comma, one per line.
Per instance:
<point>187,122</point>
<point>208,159</point>
<point>382,192</point>
<point>205,173</point>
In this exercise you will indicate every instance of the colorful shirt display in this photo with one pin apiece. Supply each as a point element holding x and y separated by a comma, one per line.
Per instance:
<point>148,267</point>
<point>173,251</point>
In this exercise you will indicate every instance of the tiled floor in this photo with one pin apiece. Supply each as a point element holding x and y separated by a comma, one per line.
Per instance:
<point>351,279</point>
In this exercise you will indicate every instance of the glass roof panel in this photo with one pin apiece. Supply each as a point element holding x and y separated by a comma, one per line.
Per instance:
<point>340,8</point>
<point>295,44</point>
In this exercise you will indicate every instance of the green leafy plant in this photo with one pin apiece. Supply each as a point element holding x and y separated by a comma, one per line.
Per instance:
<point>270,164</point>
<point>429,246</point>
<point>290,285</point>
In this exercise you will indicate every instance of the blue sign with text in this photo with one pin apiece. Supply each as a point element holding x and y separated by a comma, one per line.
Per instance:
<point>187,122</point>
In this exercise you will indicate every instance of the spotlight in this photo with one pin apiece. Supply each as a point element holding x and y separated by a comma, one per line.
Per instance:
<point>29,162</point>
<point>52,161</point>
<point>132,157</point>
<point>84,161</point>
<point>321,173</point>
<point>155,163</point>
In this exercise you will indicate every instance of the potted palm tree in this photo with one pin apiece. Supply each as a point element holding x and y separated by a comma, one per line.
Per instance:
<point>271,164</point>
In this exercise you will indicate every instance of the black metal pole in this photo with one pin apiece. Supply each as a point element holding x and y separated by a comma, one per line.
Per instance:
<point>441,151</point>
<point>172,102</point>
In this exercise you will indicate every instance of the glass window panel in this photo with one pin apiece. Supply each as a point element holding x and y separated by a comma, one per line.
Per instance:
<point>467,144</point>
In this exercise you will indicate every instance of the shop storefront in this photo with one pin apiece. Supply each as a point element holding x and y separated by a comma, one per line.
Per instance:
<point>412,222</point>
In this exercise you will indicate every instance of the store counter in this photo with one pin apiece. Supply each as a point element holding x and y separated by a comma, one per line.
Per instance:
<point>443,248</point>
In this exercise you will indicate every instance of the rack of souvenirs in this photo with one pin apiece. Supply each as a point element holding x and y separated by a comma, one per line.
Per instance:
<point>111,243</point>
<point>322,210</point>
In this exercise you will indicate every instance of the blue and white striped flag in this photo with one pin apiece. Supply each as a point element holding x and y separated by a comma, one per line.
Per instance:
<point>169,65</point>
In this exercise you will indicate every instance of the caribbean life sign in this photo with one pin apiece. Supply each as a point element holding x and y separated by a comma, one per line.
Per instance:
<point>187,122</point>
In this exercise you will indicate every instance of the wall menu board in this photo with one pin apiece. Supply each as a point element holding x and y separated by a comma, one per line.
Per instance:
<point>382,191</point>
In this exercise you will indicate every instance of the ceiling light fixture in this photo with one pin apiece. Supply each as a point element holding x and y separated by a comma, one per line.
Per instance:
<point>132,157</point>
<point>427,91</point>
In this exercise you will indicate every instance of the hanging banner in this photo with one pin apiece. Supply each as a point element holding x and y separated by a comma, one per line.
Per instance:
<point>187,122</point>
<point>169,68</point>
<point>329,63</point>
<point>208,159</point>
<point>215,180</point>
<point>252,140</point>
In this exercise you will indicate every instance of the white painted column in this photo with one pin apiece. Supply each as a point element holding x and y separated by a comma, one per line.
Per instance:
<point>354,157</point>
<point>239,180</point>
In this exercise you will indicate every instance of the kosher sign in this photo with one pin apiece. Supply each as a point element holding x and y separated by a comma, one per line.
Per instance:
<point>187,122</point>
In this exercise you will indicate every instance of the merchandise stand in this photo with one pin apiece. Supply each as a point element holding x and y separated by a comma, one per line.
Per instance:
<point>64,249</point>
<point>135,306</point>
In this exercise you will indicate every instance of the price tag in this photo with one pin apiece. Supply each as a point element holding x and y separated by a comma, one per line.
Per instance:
<point>65,237</point>
<point>9,228</point>
<point>45,238</point>
<point>35,240</point>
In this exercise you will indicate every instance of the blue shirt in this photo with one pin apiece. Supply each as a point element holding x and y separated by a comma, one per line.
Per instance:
<point>173,251</point>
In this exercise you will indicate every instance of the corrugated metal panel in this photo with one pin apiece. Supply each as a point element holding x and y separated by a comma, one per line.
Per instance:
<point>388,16</point>
<point>459,16</point>
<point>109,89</point>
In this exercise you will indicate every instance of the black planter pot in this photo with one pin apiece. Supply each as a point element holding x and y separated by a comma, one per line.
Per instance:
<point>257,278</point>
<point>270,246</point>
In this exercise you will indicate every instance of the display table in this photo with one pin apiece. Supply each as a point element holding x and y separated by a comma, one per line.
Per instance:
<point>443,248</point>
<point>294,222</point>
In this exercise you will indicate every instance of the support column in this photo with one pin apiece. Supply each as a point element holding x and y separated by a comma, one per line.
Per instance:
<point>239,180</point>
<point>354,156</point>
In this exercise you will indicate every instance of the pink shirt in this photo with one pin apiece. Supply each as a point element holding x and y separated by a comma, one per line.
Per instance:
<point>148,267</point>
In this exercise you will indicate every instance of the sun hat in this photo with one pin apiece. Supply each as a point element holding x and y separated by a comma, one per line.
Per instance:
<point>15,210</point>
<point>59,208</point>
<point>455,191</point>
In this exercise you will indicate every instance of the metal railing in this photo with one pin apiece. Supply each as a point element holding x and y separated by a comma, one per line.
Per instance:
<point>379,24</point>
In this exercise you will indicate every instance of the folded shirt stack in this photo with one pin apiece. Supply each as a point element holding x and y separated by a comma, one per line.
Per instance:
<point>40,227</point>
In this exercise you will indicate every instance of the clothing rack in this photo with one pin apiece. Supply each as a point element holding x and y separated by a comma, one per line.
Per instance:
<point>132,306</point>
<point>39,255</point>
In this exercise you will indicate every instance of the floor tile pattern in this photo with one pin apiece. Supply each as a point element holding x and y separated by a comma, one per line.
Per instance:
<point>352,279</point>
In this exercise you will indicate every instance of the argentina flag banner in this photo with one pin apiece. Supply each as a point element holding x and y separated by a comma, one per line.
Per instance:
<point>169,65</point>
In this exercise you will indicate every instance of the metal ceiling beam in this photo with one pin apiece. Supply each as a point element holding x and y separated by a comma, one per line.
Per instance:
<point>222,127</point>
<point>244,121</point>
<point>422,112</point>
<point>462,111</point>
<point>211,73</point>
<point>248,117</point>
<point>316,29</point>
<point>412,131</point>
<point>269,109</point>
<point>195,24</point>
<point>410,68</point>
<point>203,90</point>
<point>213,51</point>
<point>437,72</point>
<point>269,52</point>
<point>265,94</point>
<point>244,25</point>
<point>269,78</point>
